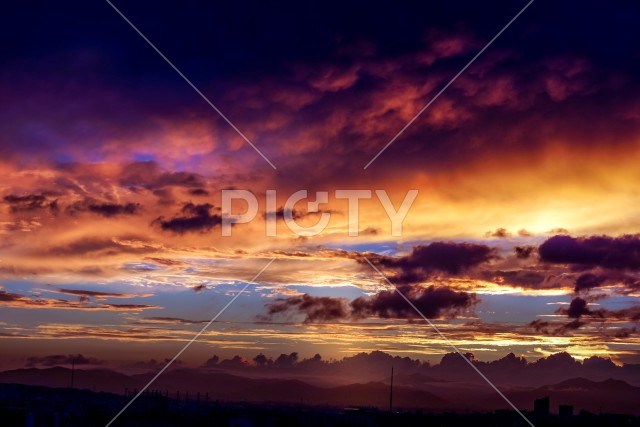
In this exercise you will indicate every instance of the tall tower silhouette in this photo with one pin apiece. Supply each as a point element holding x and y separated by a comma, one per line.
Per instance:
<point>391,392</point>
<point>73,368</point>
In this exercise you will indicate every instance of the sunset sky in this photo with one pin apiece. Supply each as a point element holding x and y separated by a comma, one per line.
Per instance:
<point>523,237</point>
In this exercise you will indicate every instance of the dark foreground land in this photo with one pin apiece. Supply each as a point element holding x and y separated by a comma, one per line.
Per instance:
<point>33,406</point>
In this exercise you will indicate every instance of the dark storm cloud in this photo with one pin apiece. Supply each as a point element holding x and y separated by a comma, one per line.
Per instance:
<point>194,218</point>
<point>97,295</point>
<point>621,253</point>
<point>529,279</point>
<point>631,314</point>
<point>556,328</point>
<point>571,326</point>
<point>433,302</point>
<point>631,283</point>
<point>25,203</point>
<point>94,294</point>
<point>582,313</point>
<point>296,214</point>
<point>105,209</point>
<point>36,202</point>
<point>589,281</point>
<point>165,196</point>
<point>114,209</point>
<point>212,362</point>
<point>448,257</point>
<point>524,252</point>
<point>540,325</point>
<point>133,307</point>
<point>363,56</point>
<point>625,332</point>
<point>30,202</point>
<point>280,213</point>
<point>9,297</point>
<point>579,309</point>
<point>315,309</point>
<point>437,257</point>
<point>198,192</point>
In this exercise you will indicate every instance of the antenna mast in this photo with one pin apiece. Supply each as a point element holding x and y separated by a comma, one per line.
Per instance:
<point>391,393</point>
<point>73,366</point>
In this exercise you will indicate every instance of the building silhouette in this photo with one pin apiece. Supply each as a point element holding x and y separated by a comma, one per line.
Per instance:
<point>565,411</point>
<point>541,406</point>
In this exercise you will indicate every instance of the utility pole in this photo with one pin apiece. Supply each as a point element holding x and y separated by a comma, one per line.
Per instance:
<point>73,367</point>
<point>391,393</point>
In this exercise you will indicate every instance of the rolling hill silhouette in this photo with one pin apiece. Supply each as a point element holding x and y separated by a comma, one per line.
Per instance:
<point>615,396</point>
